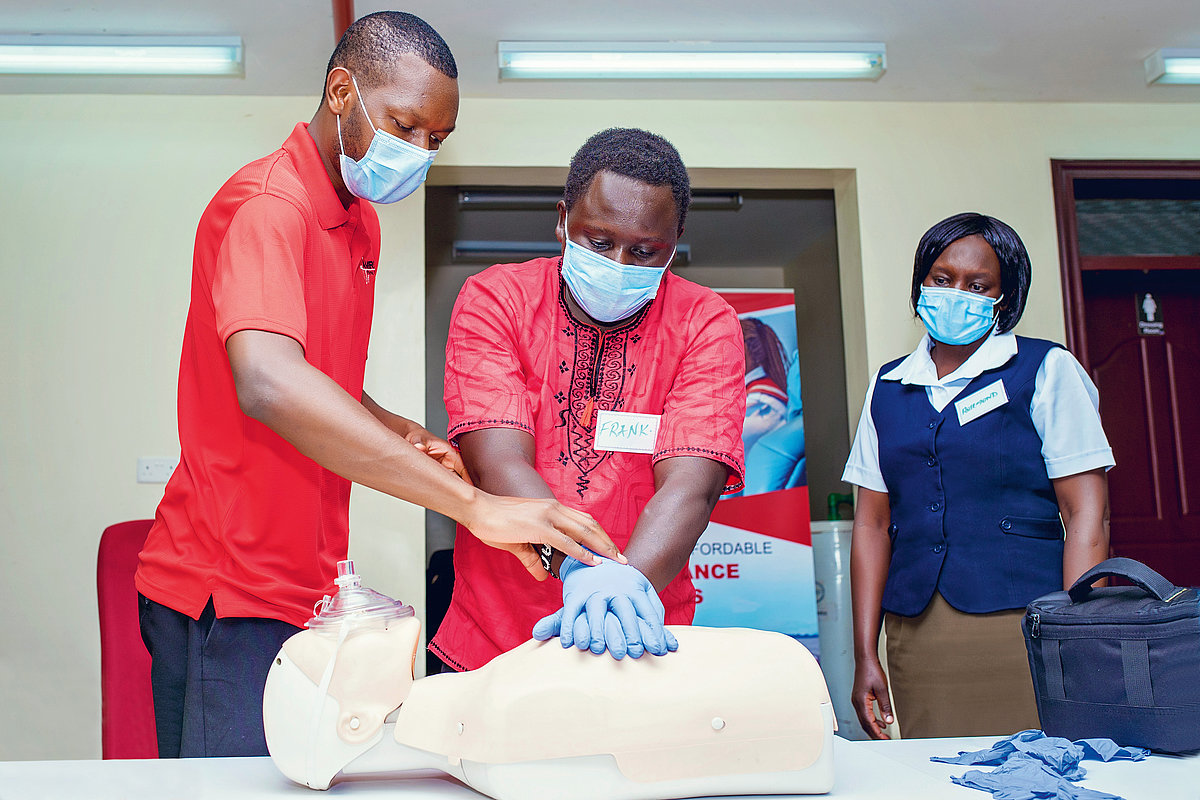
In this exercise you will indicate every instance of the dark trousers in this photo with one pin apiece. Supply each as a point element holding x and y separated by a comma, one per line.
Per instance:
<point>208,677</point>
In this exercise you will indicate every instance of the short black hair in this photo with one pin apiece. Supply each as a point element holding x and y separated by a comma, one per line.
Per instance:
<point>1015,271</point>
<point>372,43</point>
<point>634,153</point>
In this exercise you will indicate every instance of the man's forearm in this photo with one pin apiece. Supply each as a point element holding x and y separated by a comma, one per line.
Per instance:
<point>325,424</point>
<point>315,415</point>
<point>394,422</point>
<point>675,517</point>
<point>500,461</point>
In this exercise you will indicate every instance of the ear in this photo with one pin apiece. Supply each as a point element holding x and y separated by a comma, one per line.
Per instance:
<point>560,228</point>
<point>339,91</point>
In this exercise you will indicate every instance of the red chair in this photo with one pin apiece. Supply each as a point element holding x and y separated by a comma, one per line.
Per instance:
<point>127,716</point>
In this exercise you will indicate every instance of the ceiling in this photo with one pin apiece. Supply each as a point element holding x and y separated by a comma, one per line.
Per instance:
<point>937,50</point>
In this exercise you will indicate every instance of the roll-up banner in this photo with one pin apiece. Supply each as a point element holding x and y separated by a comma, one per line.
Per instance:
<point>753,566</point>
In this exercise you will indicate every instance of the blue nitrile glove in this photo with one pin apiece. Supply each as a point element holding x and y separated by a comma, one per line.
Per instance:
<point>610,607</point>
<point>1032,766</point>
<point>1108,750</point>
<point>1062,754</point>
<point>1023,777</point>
<point>614,634</point>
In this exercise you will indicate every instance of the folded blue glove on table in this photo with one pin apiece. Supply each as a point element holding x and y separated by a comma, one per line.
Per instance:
<point>609,607</point>
<point>1034,766</point>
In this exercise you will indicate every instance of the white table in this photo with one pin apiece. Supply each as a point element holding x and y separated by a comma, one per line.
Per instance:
<point>863,770</point>
<point>1156,778</point>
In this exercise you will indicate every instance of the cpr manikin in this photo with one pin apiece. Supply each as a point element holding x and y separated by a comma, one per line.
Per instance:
<point>734,711</point>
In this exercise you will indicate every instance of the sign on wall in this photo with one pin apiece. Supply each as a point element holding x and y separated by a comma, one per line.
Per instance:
<point>753,565</point>
<point>1149,313</point>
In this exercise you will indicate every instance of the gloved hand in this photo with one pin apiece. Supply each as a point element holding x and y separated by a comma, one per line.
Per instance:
<point>610,607</point>
<point>615,640</point>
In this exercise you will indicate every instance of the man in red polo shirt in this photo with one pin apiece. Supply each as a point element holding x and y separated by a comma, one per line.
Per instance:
<point>605,380</point>
<point>273,420</point>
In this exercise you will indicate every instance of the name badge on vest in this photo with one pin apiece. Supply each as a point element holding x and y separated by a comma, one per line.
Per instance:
<point>975,405</point>
<point>625,432</point>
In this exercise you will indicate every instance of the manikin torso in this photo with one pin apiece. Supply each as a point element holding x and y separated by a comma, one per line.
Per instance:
<point>733,711</point>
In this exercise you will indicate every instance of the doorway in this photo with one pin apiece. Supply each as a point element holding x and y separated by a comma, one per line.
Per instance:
<point>1129,239</point>
<point>735,238</point>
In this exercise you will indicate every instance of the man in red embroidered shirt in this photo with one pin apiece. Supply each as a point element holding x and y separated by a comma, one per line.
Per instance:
<point>273,420</point>
<point>606,381</point>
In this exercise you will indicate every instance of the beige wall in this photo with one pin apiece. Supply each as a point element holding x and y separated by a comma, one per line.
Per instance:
<point>98,209</point>
<point>99,206</point>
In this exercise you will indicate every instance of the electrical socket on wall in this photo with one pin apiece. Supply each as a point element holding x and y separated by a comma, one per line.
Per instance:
<point>155,469</point>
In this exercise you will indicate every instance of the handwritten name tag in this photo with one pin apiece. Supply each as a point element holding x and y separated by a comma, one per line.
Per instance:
<point>975,405</point>
<point>625,432</point>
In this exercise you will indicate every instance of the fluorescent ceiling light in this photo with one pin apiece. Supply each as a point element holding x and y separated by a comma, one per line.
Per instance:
<point>547,199</point>
<point>1173,66</point>
<point>44,54</point>
<point>688,60</point>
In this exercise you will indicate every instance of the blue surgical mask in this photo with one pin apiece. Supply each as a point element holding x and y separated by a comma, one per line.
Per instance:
<point>953,316</point>
<point>390,170</point>
<point>605,289</point>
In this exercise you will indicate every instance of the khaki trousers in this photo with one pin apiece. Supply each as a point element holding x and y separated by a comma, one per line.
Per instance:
<point>959,674</point>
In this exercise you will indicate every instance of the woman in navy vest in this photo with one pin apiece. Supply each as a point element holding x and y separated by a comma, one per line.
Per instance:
<point>972,455</point>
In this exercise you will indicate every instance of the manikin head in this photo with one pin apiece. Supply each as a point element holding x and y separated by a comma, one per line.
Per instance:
<point>332,686</point>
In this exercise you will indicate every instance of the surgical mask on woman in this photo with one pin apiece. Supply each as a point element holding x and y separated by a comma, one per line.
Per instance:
<point>608,290</point>
<point>953,316</point>
<point>390,170</point>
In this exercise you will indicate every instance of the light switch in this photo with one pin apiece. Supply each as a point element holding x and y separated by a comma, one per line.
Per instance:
<point>155,469</point>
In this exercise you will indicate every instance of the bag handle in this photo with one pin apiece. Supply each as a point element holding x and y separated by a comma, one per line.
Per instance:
<point>1127,568</point>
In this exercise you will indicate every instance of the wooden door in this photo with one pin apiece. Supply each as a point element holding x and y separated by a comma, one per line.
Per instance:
<point>1143,348</point>
<point>1129,247</point>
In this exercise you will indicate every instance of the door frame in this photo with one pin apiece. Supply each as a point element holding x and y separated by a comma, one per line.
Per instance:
<point>1064,173</point>
<point>842,182</point>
